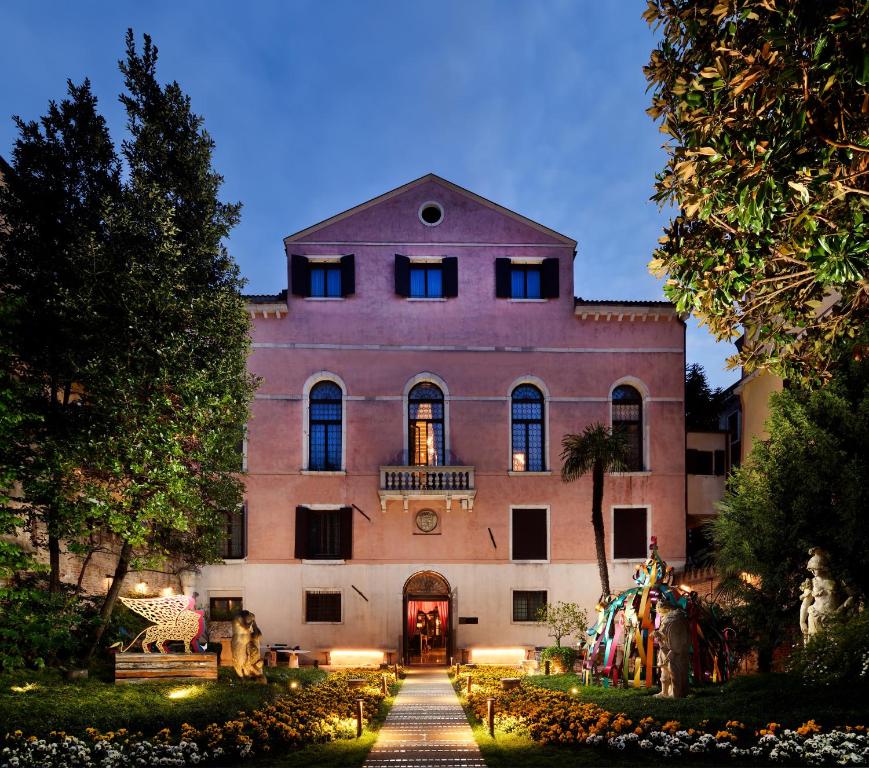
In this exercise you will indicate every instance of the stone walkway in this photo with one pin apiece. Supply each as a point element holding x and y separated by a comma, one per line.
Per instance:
<point>426,727</point>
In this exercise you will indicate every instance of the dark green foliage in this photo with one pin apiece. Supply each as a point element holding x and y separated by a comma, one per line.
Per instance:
<point>765,107</point>
<point>40,627</point>
<point>837,656</point>
<point>702,403</point>
<point>126,321</point>
<point>804,487</point>
<point>562,656</point>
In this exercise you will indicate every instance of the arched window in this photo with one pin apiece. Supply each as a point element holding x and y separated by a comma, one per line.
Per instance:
<point>628,422</point>
<point>526,404</point>
<point>425,425</point>
<point>324,427</point>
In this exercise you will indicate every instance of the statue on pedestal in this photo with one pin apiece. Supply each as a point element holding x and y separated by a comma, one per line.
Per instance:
<point>673,643</point>
<point>246,657</point>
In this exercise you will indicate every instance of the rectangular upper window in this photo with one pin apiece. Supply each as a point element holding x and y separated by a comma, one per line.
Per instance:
<point>527,604</point>
<point>322,606</point>
<point>530,534</point>
<point>630,533</point>
<point>324,534</point>
<point>325,280</point>
<point>426,281</point>
<point>224,608</point>
<point>526,280</point>
<point>323,277</point>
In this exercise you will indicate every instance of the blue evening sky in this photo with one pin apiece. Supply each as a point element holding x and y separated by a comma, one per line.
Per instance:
<point>317,106</point>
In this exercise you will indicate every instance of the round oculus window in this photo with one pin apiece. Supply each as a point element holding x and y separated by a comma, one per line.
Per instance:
<point>431,214</point>
<point>426,520</point>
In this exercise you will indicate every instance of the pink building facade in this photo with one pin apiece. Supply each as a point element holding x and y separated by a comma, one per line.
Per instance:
<point>403,453</point>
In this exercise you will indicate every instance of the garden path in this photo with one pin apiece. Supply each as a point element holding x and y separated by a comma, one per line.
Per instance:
<point>426,727</point>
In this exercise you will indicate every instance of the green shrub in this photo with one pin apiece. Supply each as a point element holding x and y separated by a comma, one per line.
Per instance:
<point>562,658</point>
<point>39,628</point>
<point>837,654</point>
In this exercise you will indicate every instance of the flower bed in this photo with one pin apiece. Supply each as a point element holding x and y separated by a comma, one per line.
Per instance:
<point>555,717</point>
<point>318,713</point>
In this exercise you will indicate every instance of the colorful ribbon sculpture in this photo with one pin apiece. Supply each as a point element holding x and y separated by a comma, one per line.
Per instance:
<point>624,631</point>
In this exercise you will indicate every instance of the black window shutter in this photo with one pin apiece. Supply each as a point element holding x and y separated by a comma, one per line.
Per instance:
<point>529,534</point>
<point>302,525</point>
<point>348,275</point>
<point>300,278</point>
<point>451,277</point>
<point>345,536</point>
<point>502,278</point>
<point>402,275</point>
<point>549,281</point>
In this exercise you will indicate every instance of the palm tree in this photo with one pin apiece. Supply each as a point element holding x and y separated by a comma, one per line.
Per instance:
<point>596,450</point>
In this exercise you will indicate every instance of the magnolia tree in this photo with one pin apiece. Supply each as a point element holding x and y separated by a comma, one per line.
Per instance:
<point>765,104</point>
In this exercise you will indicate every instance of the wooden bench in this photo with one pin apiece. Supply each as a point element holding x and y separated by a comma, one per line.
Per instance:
<point>169,667</point>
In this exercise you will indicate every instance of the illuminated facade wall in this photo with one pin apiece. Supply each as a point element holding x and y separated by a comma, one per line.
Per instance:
<point>500,314</point>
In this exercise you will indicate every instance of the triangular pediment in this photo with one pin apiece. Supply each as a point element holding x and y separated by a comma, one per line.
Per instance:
<point>394,217</point>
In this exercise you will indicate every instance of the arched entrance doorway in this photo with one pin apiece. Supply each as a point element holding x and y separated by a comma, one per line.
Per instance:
<point>427,619</point>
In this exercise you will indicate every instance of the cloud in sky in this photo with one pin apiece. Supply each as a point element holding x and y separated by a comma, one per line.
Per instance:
<point>316,107</point>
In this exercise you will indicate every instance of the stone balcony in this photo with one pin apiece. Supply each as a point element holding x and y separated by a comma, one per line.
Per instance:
<point>450,483</point>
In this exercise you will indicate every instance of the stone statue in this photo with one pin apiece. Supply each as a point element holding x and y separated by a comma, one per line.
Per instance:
<point>806,600</point>
<point>246,657</point>
<point>826,594</point>
<point>673,643</point>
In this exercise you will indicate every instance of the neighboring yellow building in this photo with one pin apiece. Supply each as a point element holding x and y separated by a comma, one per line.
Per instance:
<point>753,392</point>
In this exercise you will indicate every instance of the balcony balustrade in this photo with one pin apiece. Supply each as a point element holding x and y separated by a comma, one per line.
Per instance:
<point>423,482</point>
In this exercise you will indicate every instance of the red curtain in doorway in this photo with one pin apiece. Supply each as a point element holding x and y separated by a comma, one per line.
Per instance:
<point>426,606</point>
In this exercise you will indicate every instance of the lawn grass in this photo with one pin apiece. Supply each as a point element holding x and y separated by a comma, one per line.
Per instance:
<point>56,704</point>
<point>752,699</point>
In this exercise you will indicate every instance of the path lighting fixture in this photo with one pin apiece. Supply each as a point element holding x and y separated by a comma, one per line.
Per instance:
<point>574,691</point>
<point>294,685</point>
<point>359,702</point>
<point>490,711</point>
<point>167,592</point>
<point>141,588</point>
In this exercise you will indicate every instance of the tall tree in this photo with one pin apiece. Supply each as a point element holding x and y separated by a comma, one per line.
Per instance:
<point>804,487</point>
<point>64,172</point>
<point>173,389</point>
<point>596,450</point>
<point>702,403</point>
<point>766,103</point>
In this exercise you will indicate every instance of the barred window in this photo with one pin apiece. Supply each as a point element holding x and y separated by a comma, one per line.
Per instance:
<point>527,603</point>
<point>425,425</point>
<point>527,429</point>
<point>322,605</point>
<point>324,427</point>
<point>233,542</point>
<point>628,422</point>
